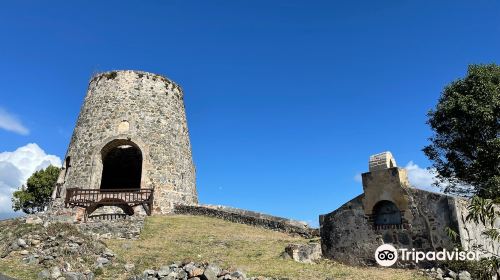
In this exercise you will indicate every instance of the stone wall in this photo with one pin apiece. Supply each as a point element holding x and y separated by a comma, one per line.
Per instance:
<point>391,211</point>
<point>138,109</point>
<point>348,236</point>
<point>249,218</point>
<point>471,234</point>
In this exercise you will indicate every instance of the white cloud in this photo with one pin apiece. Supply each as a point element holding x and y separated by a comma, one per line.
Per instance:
<point>358,178</point>
<point>421,178</point>
<point>16,167</point>
<point>12,123</point>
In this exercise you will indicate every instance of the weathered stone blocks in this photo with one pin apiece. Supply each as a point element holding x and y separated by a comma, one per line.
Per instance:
<point>304,253</point>
<point>137,109</point>
<point>391,211</point>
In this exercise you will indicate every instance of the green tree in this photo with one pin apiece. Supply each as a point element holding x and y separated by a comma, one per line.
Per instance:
<point>36,194</point>
<point>465,146</point>
<point>465,151</point>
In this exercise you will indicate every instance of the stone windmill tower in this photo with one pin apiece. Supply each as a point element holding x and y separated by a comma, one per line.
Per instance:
<point>131,134</point>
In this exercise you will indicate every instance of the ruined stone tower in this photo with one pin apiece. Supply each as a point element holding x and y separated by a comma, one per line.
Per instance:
<point>391,211</point>
<point>132,134</point>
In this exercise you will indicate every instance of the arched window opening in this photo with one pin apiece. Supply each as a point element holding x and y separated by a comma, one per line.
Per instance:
<point>122,166</point>
<point>386,213</point>
<point>67,165</point>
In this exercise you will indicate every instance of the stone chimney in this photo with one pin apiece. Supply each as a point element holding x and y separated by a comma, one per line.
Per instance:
<point>381,161</point>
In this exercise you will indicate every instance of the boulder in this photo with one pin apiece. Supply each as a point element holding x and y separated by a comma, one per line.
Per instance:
<point>34,220</point>
<point>451,273</point>
<point>173,276</point>
<point>193,270</point>
<point>464,275</point>
<point>238,275</point>
<point>44,274</point>
<point>196,272</point>
<point>73,276</point>
<point>148,272</point>
<point>304,253</point>
<point>55,272</point>
<point>211,272</point>
<point>129,266</point>
<point>22,243</point>
<point>108,253</point>
<point>31,259</point>
<point>102,261</point>
<point>439,271</point>
<point>182,274</point>
<point>164,271</point>
<point>67,266</point>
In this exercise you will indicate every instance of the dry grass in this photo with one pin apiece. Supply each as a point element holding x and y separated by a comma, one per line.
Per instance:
<point>16,269</point>
<point>254,250</point>
<point>166,239</point>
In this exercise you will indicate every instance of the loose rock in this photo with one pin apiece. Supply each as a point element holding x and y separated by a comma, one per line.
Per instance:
<point>34,220</point>
<point>464,275</point>
<point>101,260</point>
<point>305,253</point>
<point>55,272</point>
<point>22,243</point>
<point>129,266</point>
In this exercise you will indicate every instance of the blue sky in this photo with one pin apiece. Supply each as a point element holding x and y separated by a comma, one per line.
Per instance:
<point>285,100</point>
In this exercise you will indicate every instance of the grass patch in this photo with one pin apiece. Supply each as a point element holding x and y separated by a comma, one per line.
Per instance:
<point>15,268</point>
<point>166,239</point>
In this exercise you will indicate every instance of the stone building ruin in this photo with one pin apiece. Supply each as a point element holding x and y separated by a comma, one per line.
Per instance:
<point>391,211</point>
<point>130,146</point>
<point>131,149</point>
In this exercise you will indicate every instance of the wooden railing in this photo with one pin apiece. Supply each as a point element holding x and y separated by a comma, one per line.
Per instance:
<point>91,199</point>
<point>392,226</point>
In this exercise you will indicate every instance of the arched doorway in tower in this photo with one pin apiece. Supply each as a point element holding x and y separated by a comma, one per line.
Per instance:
<point>122,165</point>
<point>386,213</point>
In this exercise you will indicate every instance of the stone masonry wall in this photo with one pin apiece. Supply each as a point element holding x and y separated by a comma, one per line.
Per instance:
<point>249,218</point>
<point>147,111</point>
<point>471,234</point>
<point>347,235</point>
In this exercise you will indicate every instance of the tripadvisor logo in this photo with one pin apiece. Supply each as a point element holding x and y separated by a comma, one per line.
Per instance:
<point>387,255</point>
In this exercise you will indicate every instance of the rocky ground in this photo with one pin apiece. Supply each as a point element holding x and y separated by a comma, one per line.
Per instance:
<point>193,271</point>
<point>41,247</point>
<point>57,250</point>
<point>447,274</point>
<point>66,251</point>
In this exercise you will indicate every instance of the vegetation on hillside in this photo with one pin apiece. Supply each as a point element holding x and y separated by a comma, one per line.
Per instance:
<point>254,250</point>
<point>168,239</point>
